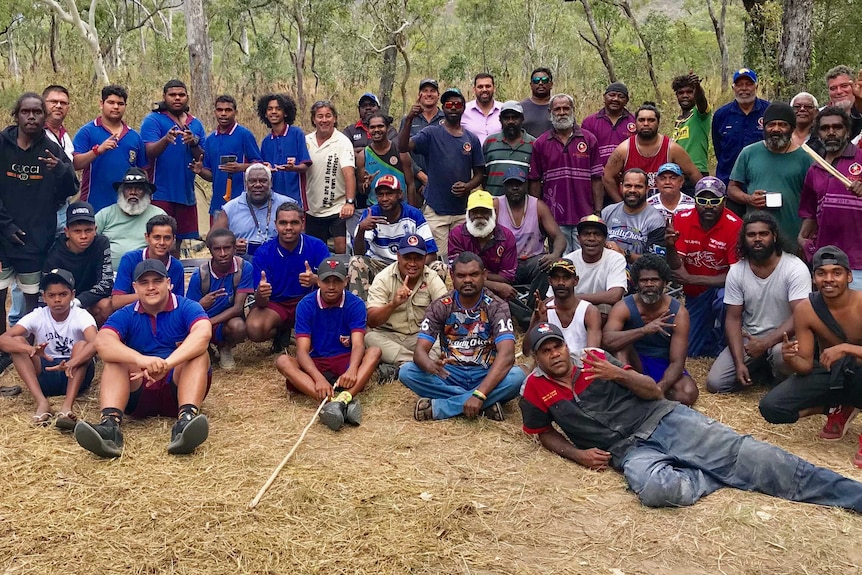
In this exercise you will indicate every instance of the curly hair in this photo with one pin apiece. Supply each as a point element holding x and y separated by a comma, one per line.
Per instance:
<point>285,102</point>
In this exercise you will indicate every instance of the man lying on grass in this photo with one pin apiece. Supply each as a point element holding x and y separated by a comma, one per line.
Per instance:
<point>671,455</point>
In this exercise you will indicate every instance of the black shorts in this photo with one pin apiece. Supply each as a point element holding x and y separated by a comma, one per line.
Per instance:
<point>325,228</point>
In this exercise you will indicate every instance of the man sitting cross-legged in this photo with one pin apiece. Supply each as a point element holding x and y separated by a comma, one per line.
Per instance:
<point>60,360</point>
<point>156,363</point>
<point>221,286</point>
<point>330,348</point>
<point>650,330</point>
<point>475,373</point>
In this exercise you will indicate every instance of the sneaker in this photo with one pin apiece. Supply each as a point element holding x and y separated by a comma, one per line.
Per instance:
<point>5,361</point>
<point>226,360</point>
<point>333,414</point>
<point>353,413</point>
<point>187,433</point>
<point>857,461</point>
<point>494,413</point>
<point>386,373</point>
<point>837,422</point>
<point>104,439</point>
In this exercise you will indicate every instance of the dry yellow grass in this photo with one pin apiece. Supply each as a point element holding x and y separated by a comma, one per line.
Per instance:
<point>349,502</point>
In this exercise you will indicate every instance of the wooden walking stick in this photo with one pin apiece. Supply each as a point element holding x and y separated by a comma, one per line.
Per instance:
<point>827,166</point>
<point>275,473</point>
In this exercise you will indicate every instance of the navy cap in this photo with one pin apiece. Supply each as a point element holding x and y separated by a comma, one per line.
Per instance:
<point>412,244</point>
<point>150,265</point>
<point>332,267</point>
<point>746,72</point>
<point>429,82</point>
<point>830,256</point>
<point>514,173</point>
<point>369,96</point>
<point>543,332</point>
<point>80,212</point>
<point>55,275</point>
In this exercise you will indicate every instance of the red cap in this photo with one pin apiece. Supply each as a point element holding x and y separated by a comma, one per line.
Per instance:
<point>388,181</point>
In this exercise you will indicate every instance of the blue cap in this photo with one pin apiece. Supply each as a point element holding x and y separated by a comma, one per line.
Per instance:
<point>514,173</point>
<point>669,167</point>
<point>412,244</point>
<point>747,72</point>
<point>369,96</point>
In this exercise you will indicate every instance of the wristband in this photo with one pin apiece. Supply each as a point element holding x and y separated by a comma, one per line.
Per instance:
<point>95,149</point>
<point>480,395</point>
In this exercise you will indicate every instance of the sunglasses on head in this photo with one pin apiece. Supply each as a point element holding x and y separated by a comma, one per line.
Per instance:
<point>453,105</point>
<point>708,201</point>
<point>541,80</point>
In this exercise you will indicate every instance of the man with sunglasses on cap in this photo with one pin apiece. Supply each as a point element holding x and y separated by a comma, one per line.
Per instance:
<point>155,364</point>
<point>670,454</point>
<point>701,247</point>
<point>454,163</point>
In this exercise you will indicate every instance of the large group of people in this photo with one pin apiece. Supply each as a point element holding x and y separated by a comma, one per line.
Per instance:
<point>607,245</point>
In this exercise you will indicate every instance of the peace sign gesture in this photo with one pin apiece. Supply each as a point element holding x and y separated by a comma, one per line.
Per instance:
<point>51,161</point>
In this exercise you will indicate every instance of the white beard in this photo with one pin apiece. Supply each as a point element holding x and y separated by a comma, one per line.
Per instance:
<point>131,209</point>
<point>482,231</point>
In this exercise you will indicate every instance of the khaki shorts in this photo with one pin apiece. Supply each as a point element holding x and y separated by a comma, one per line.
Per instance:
<point>28,282</point>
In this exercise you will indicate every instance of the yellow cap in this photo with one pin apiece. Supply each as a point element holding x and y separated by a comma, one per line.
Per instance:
<point>480,199</point>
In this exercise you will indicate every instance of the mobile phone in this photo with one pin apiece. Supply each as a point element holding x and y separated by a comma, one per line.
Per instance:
<point>226,160</point>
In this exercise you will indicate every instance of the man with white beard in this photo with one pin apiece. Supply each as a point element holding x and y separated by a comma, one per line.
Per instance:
<point>125,222</point>
<point>495,244</point>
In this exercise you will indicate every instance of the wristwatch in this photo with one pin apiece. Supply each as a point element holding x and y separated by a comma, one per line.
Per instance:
<point>351,201</point>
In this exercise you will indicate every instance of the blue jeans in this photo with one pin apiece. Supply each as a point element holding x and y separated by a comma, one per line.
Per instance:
<point>689,456</point>
<point>16,312</point>
<point>706,327</point>
<point>449,395</point>
<point>571,235</point>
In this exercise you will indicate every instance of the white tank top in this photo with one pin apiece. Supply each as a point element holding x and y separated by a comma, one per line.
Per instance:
<point>576,332</point>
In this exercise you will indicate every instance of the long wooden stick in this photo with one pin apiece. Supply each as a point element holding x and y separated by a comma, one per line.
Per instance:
<point>827,166</point>
<point>275,473</point>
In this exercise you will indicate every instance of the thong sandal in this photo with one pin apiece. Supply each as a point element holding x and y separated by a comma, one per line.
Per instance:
<point>66,420</point>
<point>10,391</point>
<point>41,419</point>
<point>423,411</point>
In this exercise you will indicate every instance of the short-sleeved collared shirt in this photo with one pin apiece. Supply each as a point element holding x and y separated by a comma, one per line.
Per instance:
<point>382,241</point>
<point>170,172</point>
<point>156,336</point>
<point>608,134</point>
<point>706,252</point>
<point>500,255</point>
<point>732,130</point>
<point>324,192</point>
<point>239,142</point>
<point>276,149</point>
<point>500,155</point>
<point>124,279</point>
<point>329,327</point>
<point>242,223</point>
<point>283,266</point>
<point>692,134</point>
<point>475,120</point>
<point>468,335</point>
<point>125,232</point>
<point>407,317</point>
<point>225,282</point>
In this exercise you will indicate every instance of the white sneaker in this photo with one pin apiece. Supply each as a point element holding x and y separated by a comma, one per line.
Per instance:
<point>226,357</point>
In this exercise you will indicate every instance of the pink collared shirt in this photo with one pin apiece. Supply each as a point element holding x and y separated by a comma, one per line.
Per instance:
<point>477,122</point>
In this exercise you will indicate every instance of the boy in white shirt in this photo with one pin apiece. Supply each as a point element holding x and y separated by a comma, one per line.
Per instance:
<point>60,359</point>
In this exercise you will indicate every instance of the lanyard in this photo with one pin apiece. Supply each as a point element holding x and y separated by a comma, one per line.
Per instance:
<point>264,235</point>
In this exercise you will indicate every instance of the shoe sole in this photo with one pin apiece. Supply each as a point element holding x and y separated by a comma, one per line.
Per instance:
<point>66,423</point>
<point>494,413</point>
<point>195,433</point>
<point>89,439</point>
<point>832,437</point>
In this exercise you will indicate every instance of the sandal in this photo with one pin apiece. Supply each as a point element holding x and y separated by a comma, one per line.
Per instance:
<point>494,413</point>
<point>66,420</point>
<point>10,391</point>
<point>423,411</point>
<point>41,419</point>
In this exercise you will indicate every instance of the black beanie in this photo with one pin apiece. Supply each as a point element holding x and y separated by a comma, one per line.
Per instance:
<point>779,111</point>
<point>618,87</point>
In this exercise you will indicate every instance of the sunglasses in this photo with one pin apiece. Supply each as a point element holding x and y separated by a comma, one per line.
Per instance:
<point>708,201</point>
<point>453,105</point>
<point>541,80</point>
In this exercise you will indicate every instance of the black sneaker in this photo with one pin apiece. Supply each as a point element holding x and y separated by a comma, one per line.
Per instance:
<point>5,361</point>
<point>386,373</point>
<point>187,433</point>
<point>104,439</point>
<point>353,413</point>
<point>333,414</point>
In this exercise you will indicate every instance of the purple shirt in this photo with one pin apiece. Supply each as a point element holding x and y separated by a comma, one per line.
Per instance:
<point>475,120</point>
<point>566,171</point>
<point>609,135</point>
<point>835,208</point>
<point>500,254</point>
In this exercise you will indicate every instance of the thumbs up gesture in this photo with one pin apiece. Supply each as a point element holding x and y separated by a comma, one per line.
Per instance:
<point>308,278</point>
<point>416,109</point>
<point>264,288</point>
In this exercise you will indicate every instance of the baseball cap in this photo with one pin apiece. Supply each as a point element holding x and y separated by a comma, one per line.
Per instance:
<point>368,96</point>
<point>830,256</point>
<point>57,274</point>
<point>514,173</point>
<point>592,220</point>
<point>332,267</point>
<point>412,244</point>
<point>747,72</point>
<point>563,264</point>
<point>669,167</point>
<point>543,332</point>
<point>452,93</point>
<point>150,265</point>
<point>512,106</point>
<point>135,177</point>
<point>480,199</point>
<point>387,181</point>
<point>712,185</point>
<point>429,82</point>
<point>80,212</point>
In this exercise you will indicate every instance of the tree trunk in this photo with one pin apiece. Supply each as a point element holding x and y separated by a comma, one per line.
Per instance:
<point>754,53</point>
<point>627,10</point>
<point>794,49</point>
<point>14,66</point>
<point>298,57</point>
<point>721,38</point>
<point>52,45</point>
<point>601,43</point>
<point>402,49</point>
<point>200,57</point>
<point>387,74</point>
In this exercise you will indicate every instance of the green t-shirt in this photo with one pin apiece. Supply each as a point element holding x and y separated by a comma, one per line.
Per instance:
<point>125,232</point>
<point>759,169</point>
<point>693,135</point>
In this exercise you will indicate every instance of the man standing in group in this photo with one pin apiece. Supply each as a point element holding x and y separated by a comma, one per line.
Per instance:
<point>482,115</point>
<point>106,148</point>
<point>613,124</point>
<point>476,372</point>
<point>830,210</point>
<point>360,132</point>
<point>647,150</point>
<point>691,130</point>
<point>125,222</point>
<point>510,148</point>
<point>737,123</point>
<point>155,364</point>
<point>537,107</point>
<point>565,169</point>
<point>381,158</point>
<point>761,291</point>
<point>228,151</point>
<point>284,148</point>
<point>634,227</point>
<point>174,138</point>
<point>840,85</point>
<point>57,102</point>
<point>768,175</point>
<point>454,164</point>
<point>429,115</point>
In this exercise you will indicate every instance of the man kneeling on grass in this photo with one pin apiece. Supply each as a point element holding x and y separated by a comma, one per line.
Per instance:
<point>156,363</point>
<point>670,454</point>
<point>60,360</point>
<point>330,348</point>
<point>475,373</point>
